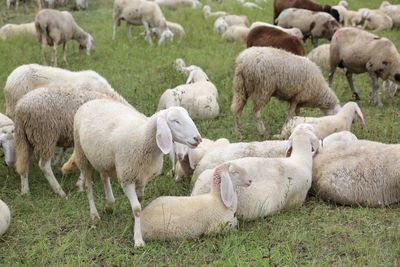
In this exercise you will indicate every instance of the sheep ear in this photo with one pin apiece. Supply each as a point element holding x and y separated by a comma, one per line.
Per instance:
<point>163,136</point>
<point>172,157</point>
<point>360,116</point>
<point>289,148</point>
<point>226,188</point>
<point>315,143</point>
<point>190,78</point>
<point>192,158</point>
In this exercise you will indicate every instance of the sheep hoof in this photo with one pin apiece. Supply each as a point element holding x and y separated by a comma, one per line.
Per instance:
<point>139,243</point>
<point>95,218</point>
<point>61,193</point>
<point>109,210</point>
<point>356,97</point>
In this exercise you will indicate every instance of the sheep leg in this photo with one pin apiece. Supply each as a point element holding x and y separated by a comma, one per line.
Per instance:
<point>54,57</point>
<point>331,74</point>
<point>375,100</point>
<point>114,29</point>
<point>292,109</point>
<point>349,77</point>
<point>257,117</point>
<point>65,52</point>
<point>87,176</point>
<point>130,192</point>
<point>129,30</point>
<point>60,157</point>
<point>80,182</point>
<point>45,166</point>
<point>147,31</point>
<point>24,182</point>
<point>44,49</point>
<point>108,193</point>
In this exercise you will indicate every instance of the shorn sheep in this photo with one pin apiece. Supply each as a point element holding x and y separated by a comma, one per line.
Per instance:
<point>263,72</point>
<point>11,30</point>
<point>43,120</point>
<point>269,36</point>
<point>128,146</point>
<point>55,27</point>
<point>278,182</point>
<point>5,217</point>
<point>358,173</point>
<point>324,126</point>
<point>141,12</point>
<point>171,217</point>
<point>7,139</point>
<point>359,51</point>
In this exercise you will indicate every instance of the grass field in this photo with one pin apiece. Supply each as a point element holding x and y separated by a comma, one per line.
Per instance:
<point>47,230</point>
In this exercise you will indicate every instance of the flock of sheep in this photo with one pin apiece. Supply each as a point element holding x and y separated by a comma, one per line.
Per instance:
<point>244,180</point>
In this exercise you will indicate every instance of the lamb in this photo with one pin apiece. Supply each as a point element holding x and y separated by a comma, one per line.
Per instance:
<point>221,24</point>
<point>236,33</point>
<point>269,36</point>
<point>176,29</point>
<point>262,72</point>
<point>43,122</point>
<point>81,4</point>
<point>327,125</point>
<point>141,12</point>
<point>55,27</point>
<point>359,51</point>
<point>172,217</point>
<point>174,4</point>
<point>194,73</point>
<point>5,217</point>
<point>320,56</point>
<point>7,139</point>
<point>393,11</point>
<point>312,24</point>
<point>377,21</point>
<point>278,182</point>
<point>281,5</point>
<point>208,13</point>
<point>10,30</point>
<point>292,31</point>
<point>351,173</point>
<point>133,153</point>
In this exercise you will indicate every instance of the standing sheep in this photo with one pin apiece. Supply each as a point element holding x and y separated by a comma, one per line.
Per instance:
<point>10,30</point>
<point>320,56</point>
<point>236,33</point>
<point>269,36</point>
<point>128,146</point>
<point>359,51</point>
<point>7,139</point>
<point>263,72</point>
<point>55,27</point>
<point>171,217</point>
<point>5,217</point>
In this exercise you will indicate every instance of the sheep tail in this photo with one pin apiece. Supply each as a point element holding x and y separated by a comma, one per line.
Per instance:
<point>69,165</point>
<point>23,151</point>
<point>240,94</point>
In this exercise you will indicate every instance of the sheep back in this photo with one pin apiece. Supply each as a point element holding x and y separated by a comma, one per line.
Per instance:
<point>280,5</point>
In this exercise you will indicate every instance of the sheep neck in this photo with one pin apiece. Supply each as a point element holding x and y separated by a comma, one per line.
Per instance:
<point>79,35</point>
<point>302,150</point>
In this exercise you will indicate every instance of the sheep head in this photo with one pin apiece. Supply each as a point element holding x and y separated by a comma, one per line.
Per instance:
<point>8,144</point>
<point>88,44</point>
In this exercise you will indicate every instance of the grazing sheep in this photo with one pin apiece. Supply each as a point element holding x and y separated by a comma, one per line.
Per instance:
<point>5,217</point>
<point>236,33</point>
<point>221,24</point>
<point>43,120</point>
<point>174,4</point>
<point>171,217</point>
<point>263,72</point>
<point>194,73</point>
<point>132,153</point>
<point>81,4</point>
<point>359,51</point>
<point>144,13</point>
<point>208,13</point>
<point>327,125</point>
<point>320,56</point>
<point>176,29</point>
<point>377,21</point>
<point>281,5</point>
<point>55,27</point>
<point>393,11</point>
<point>312,24</point>
<point>11,30</point>
<point>269,36</point>
<point>391,88</point>
<point>358,173</point>
<point>7,139</point>
<point>14,3</point>
<point>278,183</point>
<point>292,31</point>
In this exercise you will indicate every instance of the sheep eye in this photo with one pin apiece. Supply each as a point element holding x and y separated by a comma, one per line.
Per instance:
<point>177,122</point>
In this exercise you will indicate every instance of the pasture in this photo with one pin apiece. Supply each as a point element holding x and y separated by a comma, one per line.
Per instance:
<point>49,231</point>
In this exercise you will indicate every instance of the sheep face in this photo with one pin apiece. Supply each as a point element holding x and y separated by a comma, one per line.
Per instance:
<point>308,131</point>
<point>7,142</point>
<point>166,35</point>
<point>88,45</point>
<point>239,175</point>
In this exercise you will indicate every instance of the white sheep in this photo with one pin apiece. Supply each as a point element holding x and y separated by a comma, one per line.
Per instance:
<point>174,4</point>
<point>221,24</point>
<point>324,126</point>
<point>377,21</point>
<point>359,172</point>
<point>81,4</point>
<point>176,29</point>
<point>339,136</point>
<point>141,12</point>
<point>249,5</point>
<point>208,13</point>
<point>7,139</point>
<point>320,56</point>
<point>55,27</point>
<point>278,183</point>
<point>11,30</point>
<point>128,146</point>
<point>391,88</point>
<point>262,72</point>
<point>194,73</point>
<point>5,217</point>
<point>292,31</point>
<point>171,217</point>
<point>14,3</point>
<point>236,33</point>
<point>393,11</point>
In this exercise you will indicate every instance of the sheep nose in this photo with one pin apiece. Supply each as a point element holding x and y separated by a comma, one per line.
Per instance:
<point>250,181</point>
<point>197,139</point>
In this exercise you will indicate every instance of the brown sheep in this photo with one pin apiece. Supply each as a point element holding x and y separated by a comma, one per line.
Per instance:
<point>280,5</point>
<point>268,36</point>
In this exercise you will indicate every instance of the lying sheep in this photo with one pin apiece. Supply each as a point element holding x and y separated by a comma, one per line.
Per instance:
<point>324,126</point>
<point>174,4</point>
<point>320,56</point>
<point>393,11</point>
<point>249,5</point>
<point>312,24</point>
<point>14,3</point>
<point>144,13</point>
<point>5,217</point>
<point>359,51</point>
<point>54,28</point>
<point>281,5</point>
<point>7,139</point>
<point>133,155</point>
<point>11,30</point>
<point>81,4</point>
<point>194,73</point>
<point>292,31</point>
<point>221,24</point>
<point>262,72</point>
<point>271,37</point>
<point>208,13</point>
<point>278,183</point>
<point>377,21</point>
<point>359,172</point>
<point>236,33</point>
<point>171,217</point>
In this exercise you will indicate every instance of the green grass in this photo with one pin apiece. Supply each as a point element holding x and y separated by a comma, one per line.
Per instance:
<point>47,230</point>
